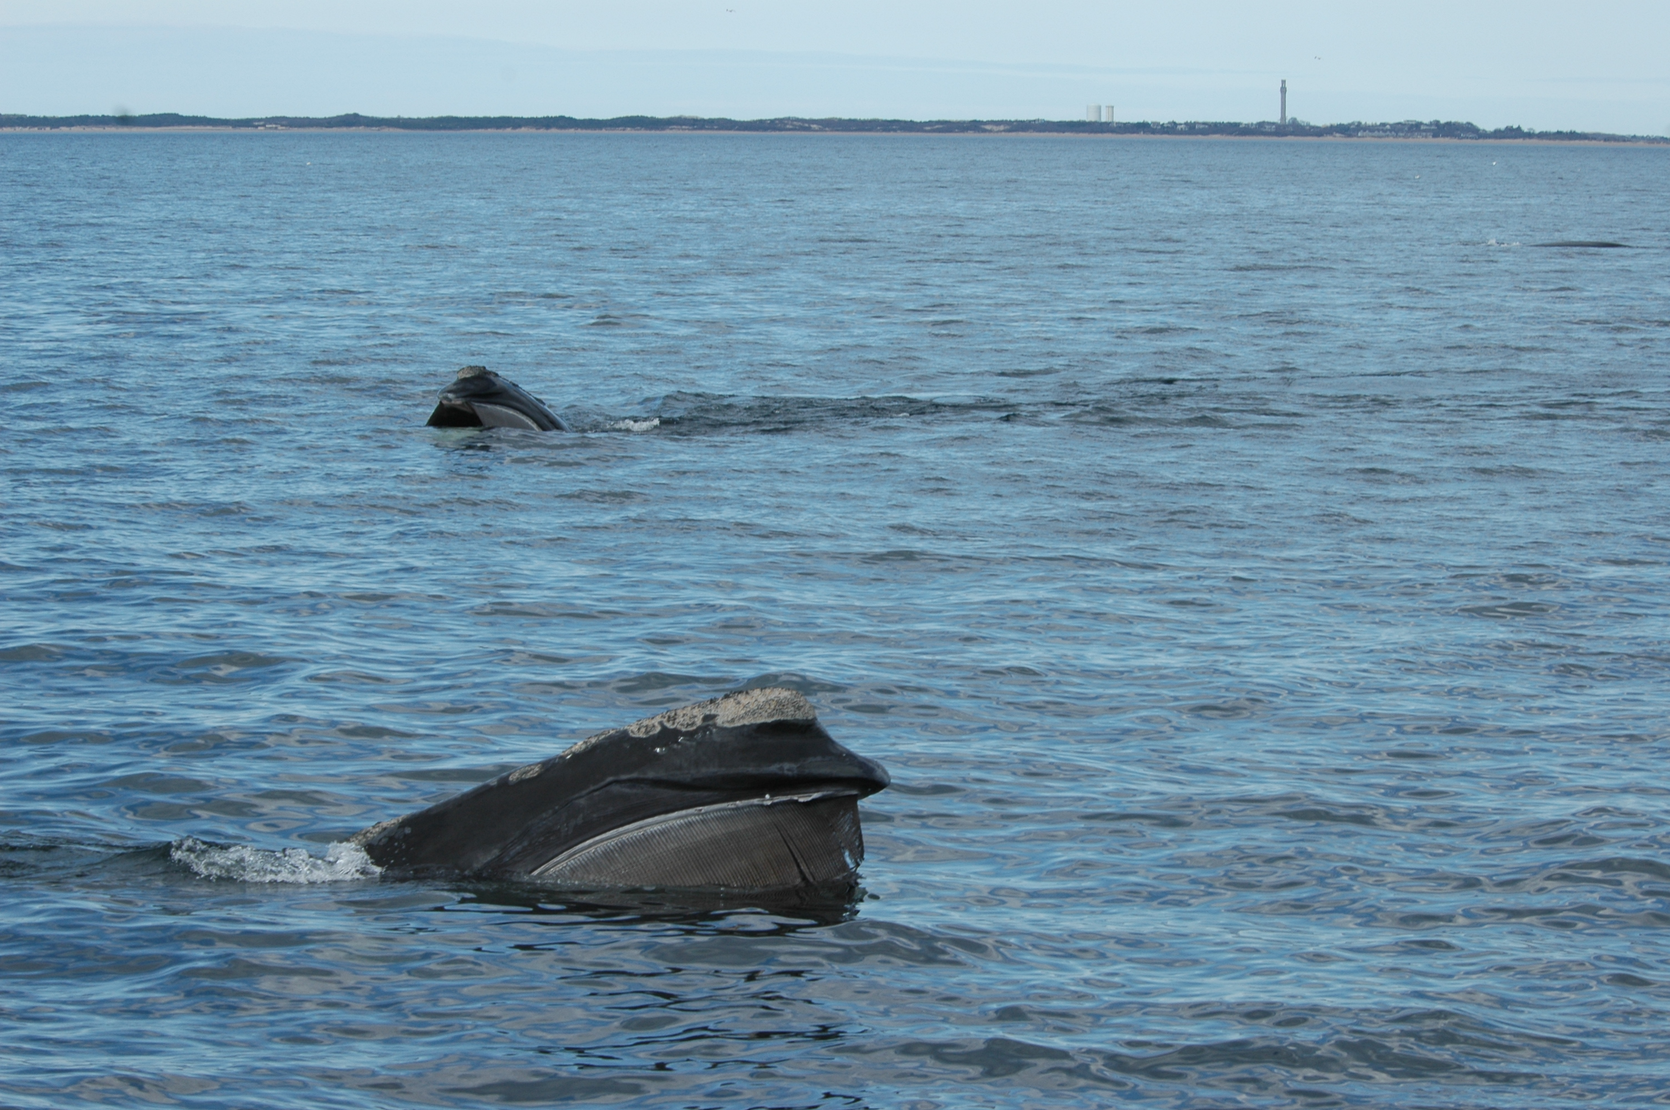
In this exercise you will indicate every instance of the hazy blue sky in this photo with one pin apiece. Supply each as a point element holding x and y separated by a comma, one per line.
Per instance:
<point>1594,65</point>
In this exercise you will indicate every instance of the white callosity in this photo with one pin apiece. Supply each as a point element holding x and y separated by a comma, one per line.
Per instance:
<point>745,707</point>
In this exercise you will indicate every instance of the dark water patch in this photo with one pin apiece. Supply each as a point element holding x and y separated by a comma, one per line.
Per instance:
<point>1249,1066</point>
<point>542,611</point>
<point>63,736</point>
<point>78,863</point>
<point>34,653</point>
<point>655,683</point>
<point>220,667</point>
<point>606,496</point>
<point>356,678</point>
<point>151,783</point>
<point>699,414</point>
<point>1237,709</point>
<point>686,914</point>
<point>1510,610</point>
<point>545,1090</point>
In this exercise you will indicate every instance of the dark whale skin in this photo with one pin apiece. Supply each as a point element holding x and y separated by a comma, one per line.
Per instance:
<point>479,398</point>
<point>747,790</point>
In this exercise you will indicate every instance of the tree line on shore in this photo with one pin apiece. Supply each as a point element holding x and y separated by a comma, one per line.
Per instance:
<point>1405,129</point>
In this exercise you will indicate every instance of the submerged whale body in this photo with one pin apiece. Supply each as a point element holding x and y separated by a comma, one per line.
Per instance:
<point>744,792</point>
<point>479,398</point>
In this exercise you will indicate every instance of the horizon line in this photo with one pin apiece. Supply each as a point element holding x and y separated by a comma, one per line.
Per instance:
<point>354,121</point>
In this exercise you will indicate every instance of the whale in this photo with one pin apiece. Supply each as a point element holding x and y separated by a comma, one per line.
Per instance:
<point>479,398</point>
<point>742,793</point>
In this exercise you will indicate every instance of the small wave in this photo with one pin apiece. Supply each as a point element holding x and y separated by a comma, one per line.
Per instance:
<point>637,425</point>
<point>709,413</point>
<point>341,863</point>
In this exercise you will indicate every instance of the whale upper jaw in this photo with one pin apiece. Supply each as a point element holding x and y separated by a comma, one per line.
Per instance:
<point>743,793</point>
<point>479,398</point>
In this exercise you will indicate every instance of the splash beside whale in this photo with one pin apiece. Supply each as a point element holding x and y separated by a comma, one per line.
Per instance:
<point>479,398</point>
<point>746,792</point>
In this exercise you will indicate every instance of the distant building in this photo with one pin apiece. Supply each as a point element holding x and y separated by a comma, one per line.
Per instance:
<point>1284,102</point>
<point>1093,113</point>
<point>1107,113</point>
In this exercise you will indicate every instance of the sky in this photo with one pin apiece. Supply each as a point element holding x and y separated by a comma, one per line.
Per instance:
<point>1596,66</point>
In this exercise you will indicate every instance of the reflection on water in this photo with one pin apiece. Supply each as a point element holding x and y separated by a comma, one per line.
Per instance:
<point>695,911</point>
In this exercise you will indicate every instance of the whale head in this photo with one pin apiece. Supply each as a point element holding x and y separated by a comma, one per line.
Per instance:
<point>479,398</point>
<point>745,792</point>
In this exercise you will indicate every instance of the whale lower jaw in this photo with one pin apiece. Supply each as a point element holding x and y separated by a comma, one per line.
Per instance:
<point>498,416</point>
<point>777,842</point>
<point>478,414</point>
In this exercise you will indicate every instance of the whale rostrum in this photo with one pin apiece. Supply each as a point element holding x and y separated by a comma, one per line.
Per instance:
<point>745,792</point>
<point>479,398</point>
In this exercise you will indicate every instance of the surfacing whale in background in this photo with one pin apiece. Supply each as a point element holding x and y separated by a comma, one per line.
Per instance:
<point>479,398</point>
<point>746,792</point>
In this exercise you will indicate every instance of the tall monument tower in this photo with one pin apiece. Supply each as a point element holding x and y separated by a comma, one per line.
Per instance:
<point>1284,102</point>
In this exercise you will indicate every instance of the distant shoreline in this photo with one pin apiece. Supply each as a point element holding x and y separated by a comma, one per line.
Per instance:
<point>1528,140</point>
<point>1406,130</point>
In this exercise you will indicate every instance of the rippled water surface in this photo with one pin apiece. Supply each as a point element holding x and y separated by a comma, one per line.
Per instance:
<point>1249,558</point>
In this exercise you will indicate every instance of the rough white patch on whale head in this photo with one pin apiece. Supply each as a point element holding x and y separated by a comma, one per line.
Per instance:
<point>241,863</point>
<point>745,707</point>
<point>366,836</point>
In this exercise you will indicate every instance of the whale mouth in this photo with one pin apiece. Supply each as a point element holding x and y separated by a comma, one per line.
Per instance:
<point>773,842</point>
<point>453,413</point>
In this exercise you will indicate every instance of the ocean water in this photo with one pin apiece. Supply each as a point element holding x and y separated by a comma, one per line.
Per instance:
<point>1249,559</point>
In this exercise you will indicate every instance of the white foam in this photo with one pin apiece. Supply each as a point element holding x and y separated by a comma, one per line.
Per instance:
<point>342,863</point>
<point>637,425</point>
